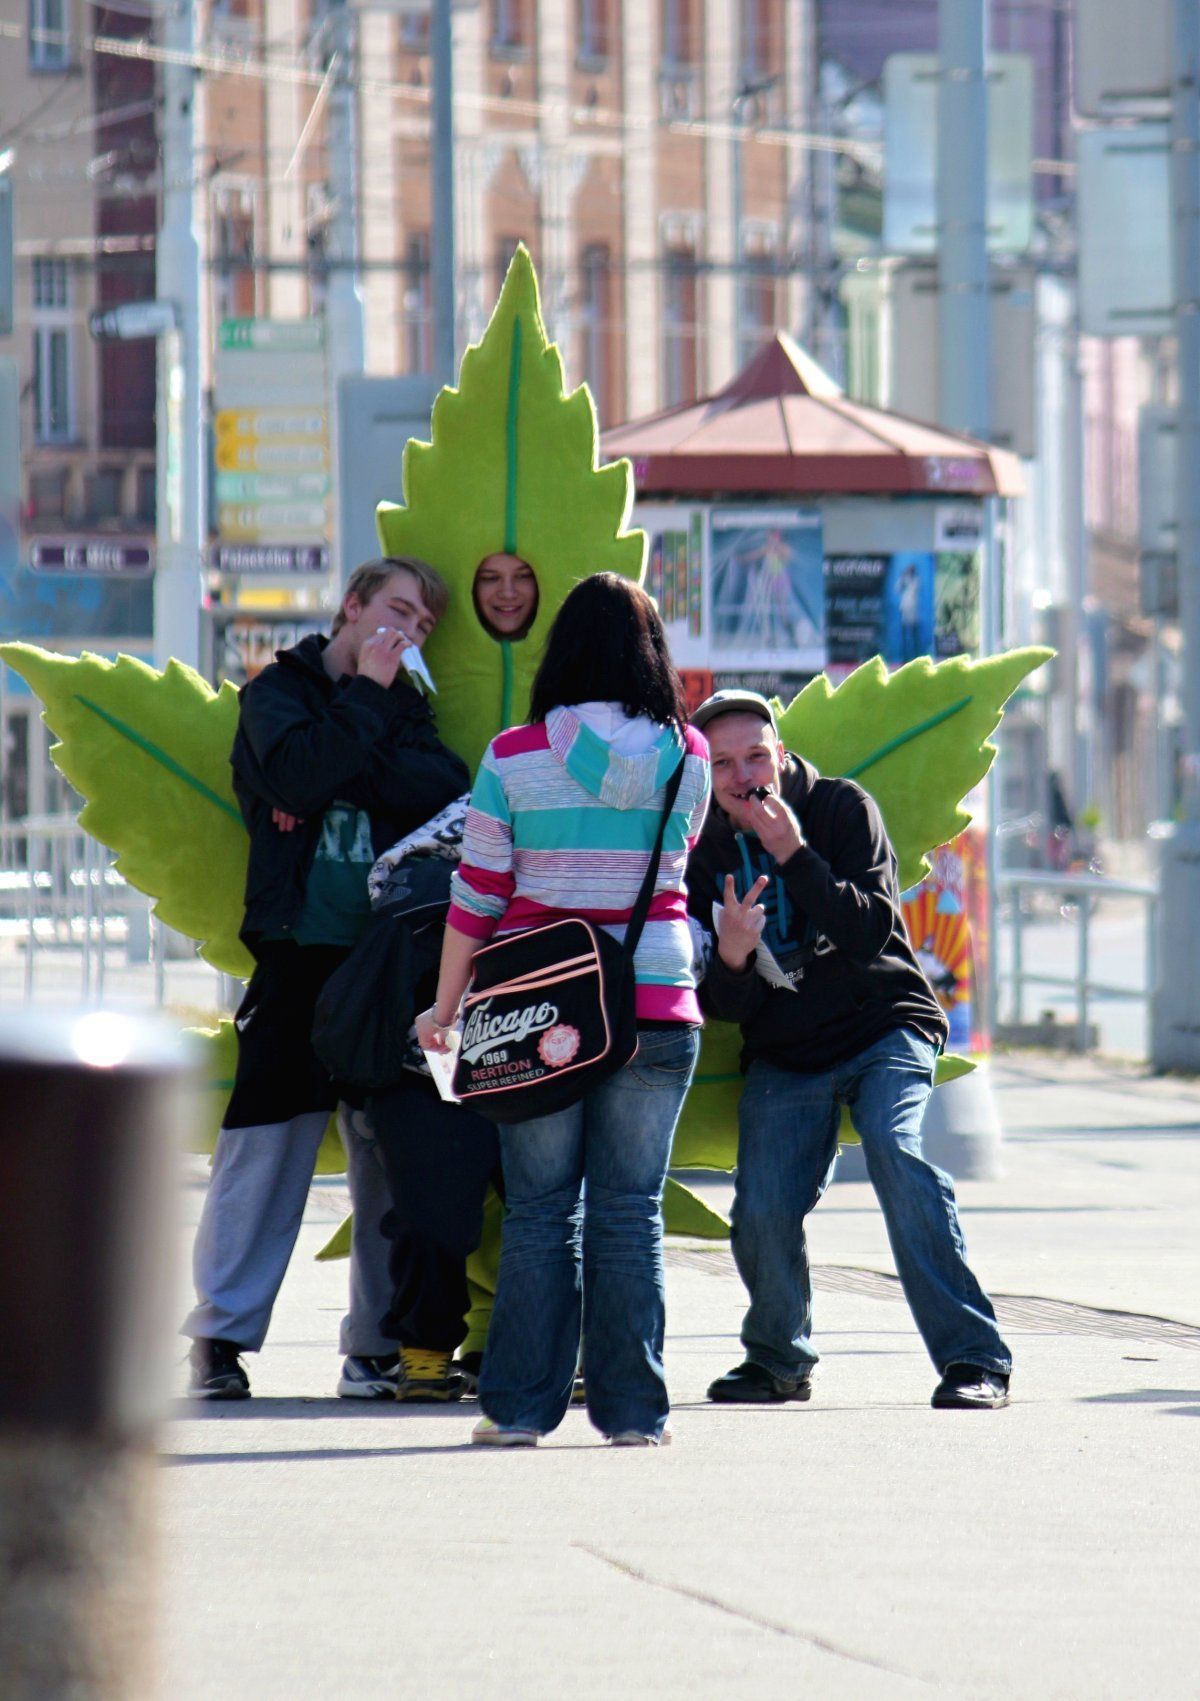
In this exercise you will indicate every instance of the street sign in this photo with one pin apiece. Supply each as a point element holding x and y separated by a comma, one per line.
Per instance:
<point>893,322</point>
<point>910,91</point>
<point>239,454</point>
<point>271,422</point>
<point>272,335</point>
<point>1124,225</point>
<point>271,431</point>
<point>376,419</point>
<point>271,487</point>
<point>90,555</point>
<point>1157,479</point>
<point>1123,57</point>
<point>251,522</point>
<point>270,558</point>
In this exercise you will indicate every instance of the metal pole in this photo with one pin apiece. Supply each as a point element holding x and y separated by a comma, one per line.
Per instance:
<point>1185,165</point>
<point>964,403</point>
<point>182,520</point>
<point>442,256</point>
<point>1083,969</point>
<point>1018,956</point>
<point>93,1109</point>
<point>1175,1041</point>
<point>736,207</point>
<point>345,319</point>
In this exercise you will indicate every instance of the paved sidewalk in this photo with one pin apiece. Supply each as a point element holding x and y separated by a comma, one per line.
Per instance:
<point>860,1546</point>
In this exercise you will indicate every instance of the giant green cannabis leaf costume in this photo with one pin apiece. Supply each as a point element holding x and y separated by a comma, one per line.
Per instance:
<point>512,466</point>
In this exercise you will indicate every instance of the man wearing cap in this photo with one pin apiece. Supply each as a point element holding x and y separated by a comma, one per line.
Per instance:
<point>796,880</point>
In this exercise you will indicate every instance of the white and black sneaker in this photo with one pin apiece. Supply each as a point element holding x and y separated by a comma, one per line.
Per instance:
<point>365,1378</point>
<point>217,1371</point>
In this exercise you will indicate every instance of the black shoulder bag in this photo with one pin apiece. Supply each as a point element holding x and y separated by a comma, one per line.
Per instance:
<point>552,1011</point>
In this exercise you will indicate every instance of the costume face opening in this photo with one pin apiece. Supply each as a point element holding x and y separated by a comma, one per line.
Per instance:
<point>505,593</point>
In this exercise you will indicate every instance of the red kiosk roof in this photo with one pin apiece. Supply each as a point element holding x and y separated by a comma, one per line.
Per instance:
<point>782,427</point>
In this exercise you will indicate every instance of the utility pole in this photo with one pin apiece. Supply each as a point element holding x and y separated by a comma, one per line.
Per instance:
<point>181,504</point>
<point>344,315</point>
<point>442,260</point>
<point>964,403</point>
<point>1175,1033</point>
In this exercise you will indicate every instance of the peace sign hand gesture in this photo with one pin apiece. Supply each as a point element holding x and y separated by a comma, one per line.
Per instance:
<point>741,924</point>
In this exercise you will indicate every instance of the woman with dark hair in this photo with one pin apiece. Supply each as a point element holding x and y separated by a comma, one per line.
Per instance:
<point>563,819</point>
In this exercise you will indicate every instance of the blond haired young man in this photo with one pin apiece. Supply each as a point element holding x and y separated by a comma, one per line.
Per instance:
<point>336,757</point>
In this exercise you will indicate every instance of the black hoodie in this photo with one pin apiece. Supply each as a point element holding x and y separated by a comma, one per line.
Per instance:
<point>305,740</point>
<point>835,923</point>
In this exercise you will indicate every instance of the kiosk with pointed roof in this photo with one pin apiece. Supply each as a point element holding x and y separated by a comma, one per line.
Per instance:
<point>795,531</point>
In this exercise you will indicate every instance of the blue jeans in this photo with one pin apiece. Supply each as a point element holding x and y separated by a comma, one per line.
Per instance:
<point>583,1249</point>
<point>787,1147</point>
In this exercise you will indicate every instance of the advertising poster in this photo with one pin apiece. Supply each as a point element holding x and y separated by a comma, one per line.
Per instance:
<point>946,919</point>
<point>908,608</point>
<point>958,565</point>
<point>673,571</point>
<point>854,586</point>
<point>768,589</point>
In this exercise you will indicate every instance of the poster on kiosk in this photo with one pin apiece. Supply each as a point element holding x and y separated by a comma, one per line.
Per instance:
<point>768,596</point>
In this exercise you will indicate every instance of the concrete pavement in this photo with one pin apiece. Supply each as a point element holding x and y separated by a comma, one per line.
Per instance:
<point>860,1546</point>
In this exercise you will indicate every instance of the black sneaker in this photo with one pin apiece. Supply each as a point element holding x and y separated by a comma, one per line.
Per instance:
<point>217,1371</point>
<point>753,1384</point>
<point>970,1388</point>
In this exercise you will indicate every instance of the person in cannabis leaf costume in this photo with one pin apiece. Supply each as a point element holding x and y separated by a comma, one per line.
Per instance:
<point>511,470</point>
<point>796,878</point>
<point>335,756</point>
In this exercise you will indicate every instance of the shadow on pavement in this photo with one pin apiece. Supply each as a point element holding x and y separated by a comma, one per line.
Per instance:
<point>270,1406</point>
<point>1151,1397</point>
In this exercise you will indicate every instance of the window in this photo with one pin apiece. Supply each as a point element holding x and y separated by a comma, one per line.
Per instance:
<point>234,256</point>
<point>595,326</point>
<point>678,33</point>
<point>49,38</point>
<point>681,341</point>
<point>593,32</point>
<point>761,29</point>
<point>415,31</point>
<point>53,346</point>
<point>512,27</point>
<point>756,301</point>
<point>506,247</point>
<point>418,304</point>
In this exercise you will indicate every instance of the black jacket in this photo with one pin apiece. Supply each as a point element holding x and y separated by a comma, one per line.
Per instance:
<point>836,908</point>
<point>304,740</point>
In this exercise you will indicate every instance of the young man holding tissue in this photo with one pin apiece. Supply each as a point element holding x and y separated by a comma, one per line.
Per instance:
<point>336,757</point>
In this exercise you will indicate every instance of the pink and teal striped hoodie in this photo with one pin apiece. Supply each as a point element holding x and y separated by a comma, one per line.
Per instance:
<point>562,819</point>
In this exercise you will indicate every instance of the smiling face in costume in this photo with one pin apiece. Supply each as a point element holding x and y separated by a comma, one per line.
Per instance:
<point>506,595</point>
<point>745,753</point>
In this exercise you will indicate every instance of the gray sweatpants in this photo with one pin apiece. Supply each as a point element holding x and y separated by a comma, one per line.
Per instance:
<point>251,1217</point>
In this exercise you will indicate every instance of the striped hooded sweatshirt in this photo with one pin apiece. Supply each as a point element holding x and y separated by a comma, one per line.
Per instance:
<point>563,817</point>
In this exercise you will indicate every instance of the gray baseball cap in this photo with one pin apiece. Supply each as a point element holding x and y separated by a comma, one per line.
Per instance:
<point>734,701</point>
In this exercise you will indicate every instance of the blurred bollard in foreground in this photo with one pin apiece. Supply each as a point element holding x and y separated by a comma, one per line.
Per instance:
<point>91,1108</point>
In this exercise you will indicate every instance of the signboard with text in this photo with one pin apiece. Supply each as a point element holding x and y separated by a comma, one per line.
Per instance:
<point>273,474</point>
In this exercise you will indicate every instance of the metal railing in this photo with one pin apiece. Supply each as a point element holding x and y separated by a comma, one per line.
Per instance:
<point>61,897</point>
<point>1085,892</point>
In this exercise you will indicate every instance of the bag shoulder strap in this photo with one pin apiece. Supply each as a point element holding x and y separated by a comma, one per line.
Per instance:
<point>641,909</point>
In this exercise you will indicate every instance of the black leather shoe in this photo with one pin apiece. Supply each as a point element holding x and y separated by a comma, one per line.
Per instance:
<point>969,1388</point>
<point>752,1384</point>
